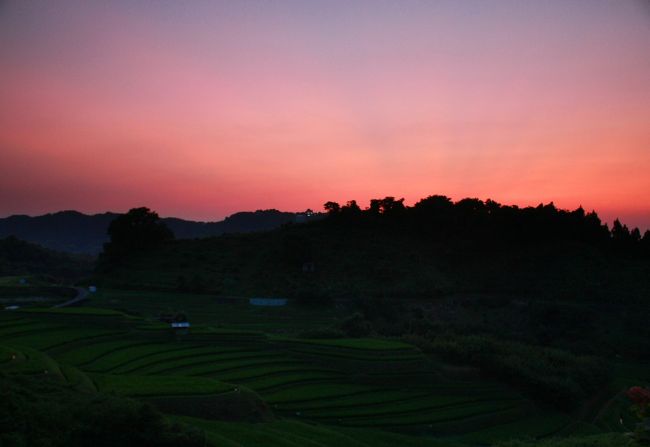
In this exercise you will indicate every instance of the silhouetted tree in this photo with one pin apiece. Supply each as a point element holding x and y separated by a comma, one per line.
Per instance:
<point>620,232</point>
<point>645,243</point>
<point>621,237</point>
<point>351,209</point>
<point>470,206</point>
<point>332,208</point>
<point>470,222</point>
<point>139,229</point>
<point>296,250</point>
<point>492,207</point>
<point>387,206</point>
<point>434,205</point>
<point>375,207</point>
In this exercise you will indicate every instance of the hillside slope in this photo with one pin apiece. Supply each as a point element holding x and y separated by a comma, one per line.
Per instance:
<point>74,232</point>
<point>378,260</point>
<point>23,258</point>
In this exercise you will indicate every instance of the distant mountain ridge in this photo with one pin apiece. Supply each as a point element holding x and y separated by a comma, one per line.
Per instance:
<point>75,232</point>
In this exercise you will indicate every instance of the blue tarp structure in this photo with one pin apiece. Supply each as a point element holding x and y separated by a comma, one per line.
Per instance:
<point>268,301</point>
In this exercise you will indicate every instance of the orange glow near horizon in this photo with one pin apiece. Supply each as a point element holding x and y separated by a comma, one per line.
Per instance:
<point>202,112</point>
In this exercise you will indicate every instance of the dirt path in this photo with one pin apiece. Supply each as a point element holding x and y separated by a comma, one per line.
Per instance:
<point>82,294</point>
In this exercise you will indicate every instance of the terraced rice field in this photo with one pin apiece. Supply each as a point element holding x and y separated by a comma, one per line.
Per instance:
<point>207,309</point>
<point>343,392</point>
<point>292,433</point>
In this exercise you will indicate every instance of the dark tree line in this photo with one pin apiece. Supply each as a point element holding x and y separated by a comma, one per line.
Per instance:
<point>18,257</point>
<point>489,222</point>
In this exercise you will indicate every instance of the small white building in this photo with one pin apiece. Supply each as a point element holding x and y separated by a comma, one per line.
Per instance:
<point>180,327</point>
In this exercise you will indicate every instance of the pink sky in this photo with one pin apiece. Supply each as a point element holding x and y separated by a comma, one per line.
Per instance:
<point>202,111</point>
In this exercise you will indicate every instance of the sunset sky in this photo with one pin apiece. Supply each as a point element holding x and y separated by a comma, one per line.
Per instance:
<point>200,109</point>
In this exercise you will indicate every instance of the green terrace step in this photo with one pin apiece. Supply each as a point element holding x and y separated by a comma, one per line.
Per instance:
<point>399,406</point>
<point>137,386</point>
<point>284,381</point>
<point>318,393</point>
<point>49,338</point>
<point>180,356</point>
<point>220,364</point>
<point>293,433</point>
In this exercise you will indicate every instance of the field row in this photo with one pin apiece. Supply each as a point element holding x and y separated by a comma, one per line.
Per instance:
<point>348,383</point>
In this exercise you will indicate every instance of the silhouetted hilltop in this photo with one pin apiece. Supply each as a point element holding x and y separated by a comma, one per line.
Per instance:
<point>389,250</point>
<point>68,231</point>
<point>242,222</point>
<point>74,232</point>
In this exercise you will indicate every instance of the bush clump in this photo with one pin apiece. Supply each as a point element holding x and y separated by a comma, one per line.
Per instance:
<point>549,375</point>
<point>42,413</point>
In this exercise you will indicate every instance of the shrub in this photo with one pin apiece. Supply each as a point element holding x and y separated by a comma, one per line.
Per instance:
<point>41,413</point>
<point>549,375</point>
<point>604,440</point>
<point>641,399</point>
<point>356,326</point>
<point>324,333</point>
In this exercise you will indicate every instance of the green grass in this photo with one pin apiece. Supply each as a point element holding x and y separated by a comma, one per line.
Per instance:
<point>87,311</point>
<point>23,327</point>
<point>418,416</point>
<point>273,382</point>
<point>31,362</point>
<point>257,372</point>
<point>219,364</point>
<point>93,350</point>
<point>78,379</point>
<point>139,386</point>
<point>534,426</point>
<point>288,433</point>
<point>236,314</point>
<point>179,357</point>
<point>600,440</point>
<point>327,392</point>
<point>395,403</point>
<point>359,401</point>
<point>124,354</point>
<point>7,354</point>
<point>11,280</point>
<point>50,338</point>
<point>306,393</point>
<point>371,344</point>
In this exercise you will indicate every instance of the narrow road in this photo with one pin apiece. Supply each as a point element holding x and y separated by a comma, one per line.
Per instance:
<point>82,294</point>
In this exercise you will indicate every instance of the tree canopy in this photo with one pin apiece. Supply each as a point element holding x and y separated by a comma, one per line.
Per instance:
<point>138,230</point>
<point>491,223</point>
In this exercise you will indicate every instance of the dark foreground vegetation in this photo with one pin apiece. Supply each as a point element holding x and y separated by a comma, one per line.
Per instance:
<point>553,290</point>
<point>93,374</point>
<point>18,257</point>
<point>35,411</point>
<point>456,324</point>
<point>432,249</point>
